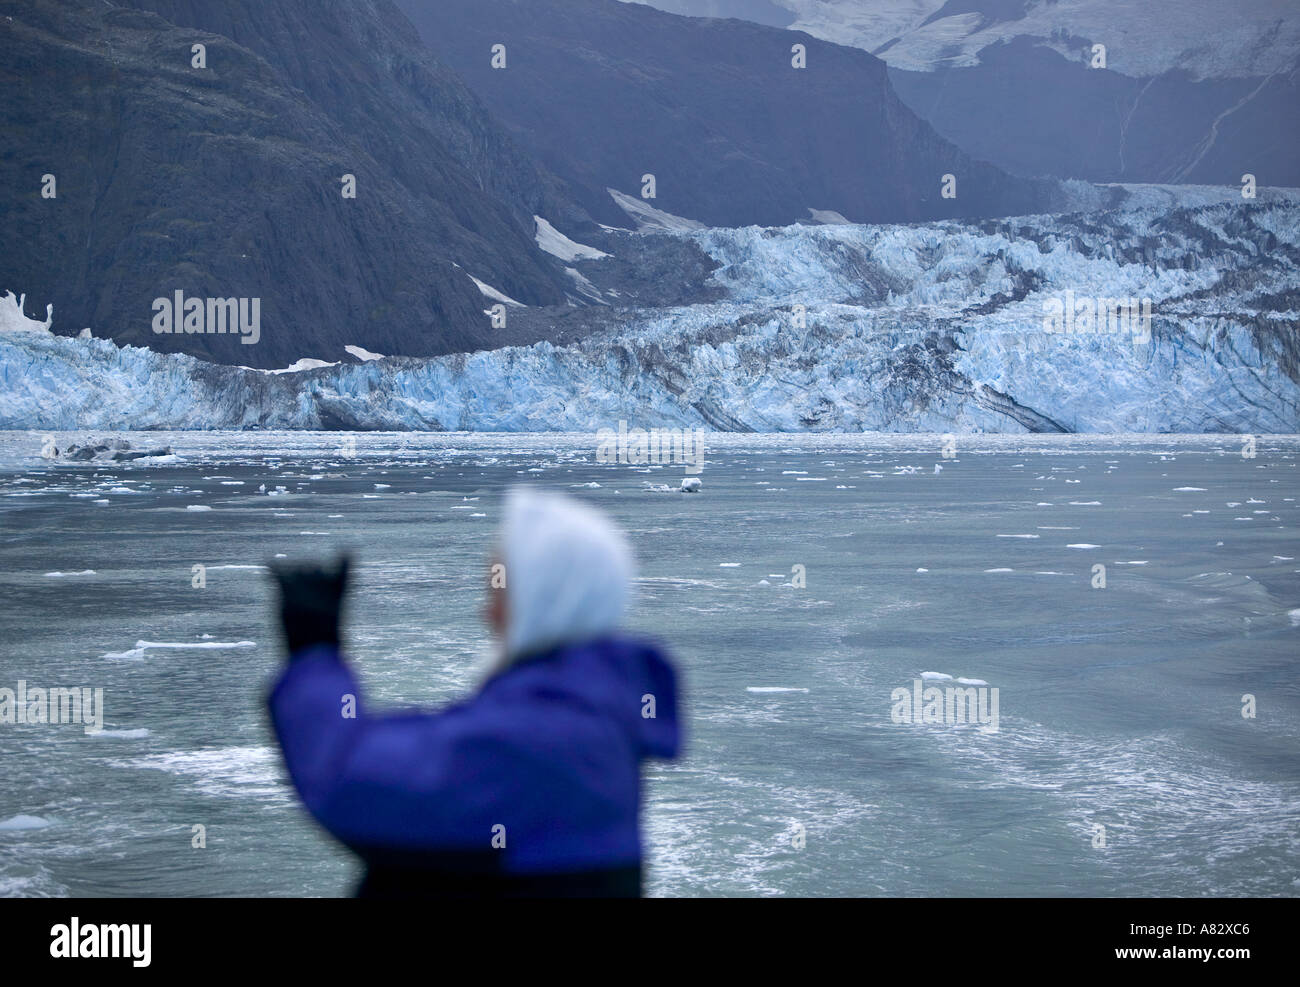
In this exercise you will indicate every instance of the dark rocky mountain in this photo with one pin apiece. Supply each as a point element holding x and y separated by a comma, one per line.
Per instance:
<point>226,181</point>
<point>1194,93</point>
<point>605,92</point>
<point>1031,110</point>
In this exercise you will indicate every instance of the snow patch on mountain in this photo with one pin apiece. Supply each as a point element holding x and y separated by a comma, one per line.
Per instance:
<point>584,286</point>
<point>298,366</point>
<point>13,319</point>
<point>650,219</point>
<point>495,295</point>
<point>558,245</point>
<point>827,217</point>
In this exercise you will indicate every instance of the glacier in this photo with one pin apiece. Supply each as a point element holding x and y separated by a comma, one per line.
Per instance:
<point>934,327</point>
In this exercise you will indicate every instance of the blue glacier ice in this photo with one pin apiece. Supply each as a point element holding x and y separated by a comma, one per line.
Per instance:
<point>919,328</point>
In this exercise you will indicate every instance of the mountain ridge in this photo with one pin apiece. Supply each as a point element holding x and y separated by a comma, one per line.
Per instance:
<point>734,134</point>
<point>226,181</point>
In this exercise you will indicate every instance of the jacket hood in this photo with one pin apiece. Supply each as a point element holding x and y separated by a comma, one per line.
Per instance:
<point>568,572</point>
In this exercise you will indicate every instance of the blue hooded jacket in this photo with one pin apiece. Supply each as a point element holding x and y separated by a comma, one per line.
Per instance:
<point>537,774</point>
<point>550,749</point>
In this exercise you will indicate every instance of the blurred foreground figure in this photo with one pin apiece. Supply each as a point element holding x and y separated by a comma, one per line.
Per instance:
<point>529,788</point>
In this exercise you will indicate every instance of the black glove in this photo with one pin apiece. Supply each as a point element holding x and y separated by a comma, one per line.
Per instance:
<point>311,598</point>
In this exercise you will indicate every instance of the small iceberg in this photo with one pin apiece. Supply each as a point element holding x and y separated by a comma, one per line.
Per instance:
<point>20,822</point>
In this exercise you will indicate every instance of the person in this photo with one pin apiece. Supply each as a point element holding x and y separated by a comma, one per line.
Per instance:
<point>531,787</point>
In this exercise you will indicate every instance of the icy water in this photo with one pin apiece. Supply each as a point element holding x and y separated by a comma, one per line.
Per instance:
<point>1120,708</point>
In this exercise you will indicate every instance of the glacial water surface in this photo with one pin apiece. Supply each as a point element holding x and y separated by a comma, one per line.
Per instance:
<point>1121,763</point>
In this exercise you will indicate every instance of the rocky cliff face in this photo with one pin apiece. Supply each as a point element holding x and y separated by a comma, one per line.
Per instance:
<point>226,181</point>
<point>606,92</point>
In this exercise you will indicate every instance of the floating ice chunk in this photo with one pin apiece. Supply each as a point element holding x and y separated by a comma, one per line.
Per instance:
<point>83,572</point>
<point>691,484</point>
<point>773,688</point>
<point>1020,536</point>
<point>20,822</point>
<point>142,646</point>
<point>961,681</point>
<point>131,654</point>
<point>1082,544</point>
<point>936,677</point>
<point>728,565</point>
<point>1189,490</point>
<point>135,734</point>
<point>999,570</point>
<point>922,570</point>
